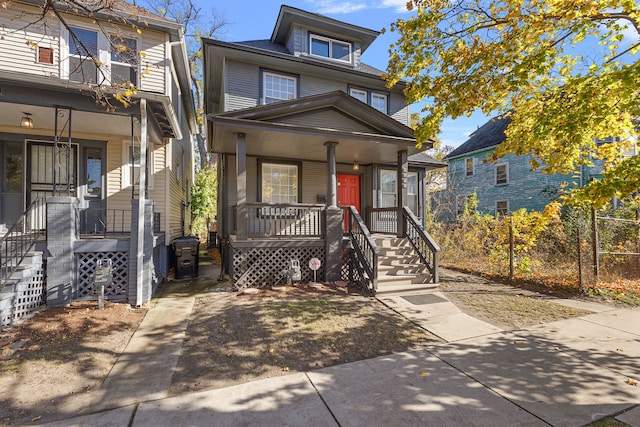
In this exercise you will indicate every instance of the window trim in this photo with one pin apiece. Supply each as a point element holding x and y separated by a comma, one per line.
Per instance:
<point>495,170</point>
<point>263,87</point>
<point>330,40</point>
<point>136,65</point>
<point>298,165</point>
<point>507,207</point>
<point>126,166</point>
<point>369,93</point>
<point>466,166</point>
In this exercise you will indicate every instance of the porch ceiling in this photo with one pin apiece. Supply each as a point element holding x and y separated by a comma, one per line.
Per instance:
<point>298,142</point>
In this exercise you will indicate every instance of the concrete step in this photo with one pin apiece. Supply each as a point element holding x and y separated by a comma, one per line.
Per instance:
<point>393,288</point>
<point>390,242</point>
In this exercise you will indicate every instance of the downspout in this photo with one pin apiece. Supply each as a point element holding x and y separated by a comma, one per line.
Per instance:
<point>141,201</point>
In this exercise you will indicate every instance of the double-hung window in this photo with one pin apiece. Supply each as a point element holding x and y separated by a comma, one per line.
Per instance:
<point>278,87</point>
<point>502,174</point>
<point>83,54</point>
<point>124,60</point>
<point>329,48</point>
<point>279,183</point>
<point>377,100</point>
<point>389,190</point>
<point>131,166</point>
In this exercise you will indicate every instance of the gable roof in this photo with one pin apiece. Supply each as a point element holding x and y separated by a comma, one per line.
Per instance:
<point>290,15</point>
<point>337,100</point>
<point>423,159</point>
<point>490,134</point>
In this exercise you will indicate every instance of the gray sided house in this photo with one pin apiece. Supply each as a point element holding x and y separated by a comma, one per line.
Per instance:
<point>503,186</point>
<point>82,182</point>
<point>315,153</point>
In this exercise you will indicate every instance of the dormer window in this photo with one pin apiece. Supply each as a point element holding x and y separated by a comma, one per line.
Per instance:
<point>329,48</point>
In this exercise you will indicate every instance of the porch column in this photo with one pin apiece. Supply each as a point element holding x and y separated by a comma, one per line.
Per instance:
<point>401,182</point>
<point>333,219</point>
<point>139,249</point>
<point>241,172</point>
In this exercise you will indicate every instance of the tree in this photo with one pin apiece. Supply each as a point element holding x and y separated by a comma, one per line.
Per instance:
<point>566,72</point>
<point>197,25</point>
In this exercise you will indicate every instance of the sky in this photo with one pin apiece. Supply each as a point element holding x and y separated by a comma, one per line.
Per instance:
<point>255,19</point>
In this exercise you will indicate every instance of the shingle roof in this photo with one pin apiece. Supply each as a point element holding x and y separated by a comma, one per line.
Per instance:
<point>488,135</point>
<point>424,159</point>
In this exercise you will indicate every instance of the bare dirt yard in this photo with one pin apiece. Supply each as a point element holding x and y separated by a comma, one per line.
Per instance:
<point>51,364</point>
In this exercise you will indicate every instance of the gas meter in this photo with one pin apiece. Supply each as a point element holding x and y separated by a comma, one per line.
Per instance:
<point>293,273</point>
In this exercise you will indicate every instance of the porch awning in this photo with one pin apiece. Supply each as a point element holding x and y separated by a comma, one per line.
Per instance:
<point>299,129</point>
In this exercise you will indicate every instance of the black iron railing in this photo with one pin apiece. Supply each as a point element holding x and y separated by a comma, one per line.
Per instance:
<point>20,238</point>
<point>364,247</point>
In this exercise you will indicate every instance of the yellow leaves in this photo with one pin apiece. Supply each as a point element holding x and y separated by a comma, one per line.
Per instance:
<point>424,373</point>
<point>632,382</point>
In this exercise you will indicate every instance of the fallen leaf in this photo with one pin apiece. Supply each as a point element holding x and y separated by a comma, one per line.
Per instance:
<point>631,382</point>
<point>285,369</point>
<point>36,418</point>
<point>519,342</point>
<point>424,374</point>
<point>278,332</point>
<point>620,349</point>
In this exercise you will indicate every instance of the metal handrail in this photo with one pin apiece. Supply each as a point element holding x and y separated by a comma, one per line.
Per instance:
<point>364,246</point>
<point>422,242</point>
<point>20,238</point>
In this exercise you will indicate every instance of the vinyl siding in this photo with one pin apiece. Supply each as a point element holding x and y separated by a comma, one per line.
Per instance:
<point>155,60</point>
<point>316,85</point>
<point>15,30</point>
<point>242,83</point>
<point>328,119</point>
<point>398,108</point>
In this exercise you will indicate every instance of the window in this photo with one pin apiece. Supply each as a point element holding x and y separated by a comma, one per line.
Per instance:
<point>461,204</point>
<point>389,188</point>
<point>329,48</point>
<point>124,60</point>
<point>279,183</point>
<point>469,166</point>
<point>278,87</point>
<point>82,48</point>
<point>502,174</point>
<point>131,166</point>
<point>502,207</point>
<point>377,100</point>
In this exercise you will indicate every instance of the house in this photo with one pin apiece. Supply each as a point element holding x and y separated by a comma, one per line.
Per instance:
<point>85,177</point>
<point>315,153</point>
<point>503,186</point>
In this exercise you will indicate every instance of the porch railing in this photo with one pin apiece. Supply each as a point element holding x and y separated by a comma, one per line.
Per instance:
<point>422,242</point>
<point>103,222</point>
<point>385,221</point>
<point>266,220</point>
<point>364,247</point>
<point>21,237</point>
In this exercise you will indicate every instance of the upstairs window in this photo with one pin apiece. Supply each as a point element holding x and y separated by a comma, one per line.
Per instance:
<point>377,100</point>
<point>124,60</point>
<point>82,48</point>
<point>329,48</point>
<point>468,164</point>
<point>278,87</point>
<point>502,174</point>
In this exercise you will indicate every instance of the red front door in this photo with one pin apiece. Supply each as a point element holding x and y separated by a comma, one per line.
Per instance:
<point>349,190</point>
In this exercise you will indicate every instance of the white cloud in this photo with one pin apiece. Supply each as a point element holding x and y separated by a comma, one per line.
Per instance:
<point>399,6</point>
<point>329,7</point>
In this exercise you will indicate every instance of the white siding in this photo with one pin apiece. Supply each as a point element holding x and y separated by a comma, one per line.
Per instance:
<point>155,63</point>
<point>16,30</point>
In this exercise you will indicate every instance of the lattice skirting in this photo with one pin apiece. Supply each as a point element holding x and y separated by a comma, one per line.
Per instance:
<point>28,296</point>
<point>259,267</point>
<point>86,264</point>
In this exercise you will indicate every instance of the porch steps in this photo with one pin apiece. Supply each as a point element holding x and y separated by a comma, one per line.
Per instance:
<point>400,269</point>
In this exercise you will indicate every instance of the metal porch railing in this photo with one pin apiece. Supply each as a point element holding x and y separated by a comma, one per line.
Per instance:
<point>21,237</point>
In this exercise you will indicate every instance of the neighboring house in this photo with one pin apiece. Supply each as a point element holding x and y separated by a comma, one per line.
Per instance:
<point>73,169</point>
<point>503,186</point>
<point>303,129</point>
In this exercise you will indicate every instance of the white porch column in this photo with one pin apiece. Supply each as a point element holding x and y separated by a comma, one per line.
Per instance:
<point>141,200</point>
<point>401,182</point>
<point>241,172</point>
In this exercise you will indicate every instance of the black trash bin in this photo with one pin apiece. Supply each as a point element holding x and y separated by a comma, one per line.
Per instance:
<point>187,256</point>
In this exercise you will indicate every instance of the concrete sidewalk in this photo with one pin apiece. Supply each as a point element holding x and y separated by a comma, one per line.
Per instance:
<point>565,373</point>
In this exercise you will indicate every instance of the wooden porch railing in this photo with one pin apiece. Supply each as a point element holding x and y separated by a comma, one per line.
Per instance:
<point>21,237</point>
<point>103,222</point>
<point>385,221</point>
<point>266,220</point>
<point>364,247</point>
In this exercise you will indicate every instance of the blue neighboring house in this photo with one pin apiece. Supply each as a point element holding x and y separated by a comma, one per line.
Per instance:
<point>501,187</point>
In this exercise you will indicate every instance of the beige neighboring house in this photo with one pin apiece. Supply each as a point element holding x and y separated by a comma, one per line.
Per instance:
<point>81,182</point>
